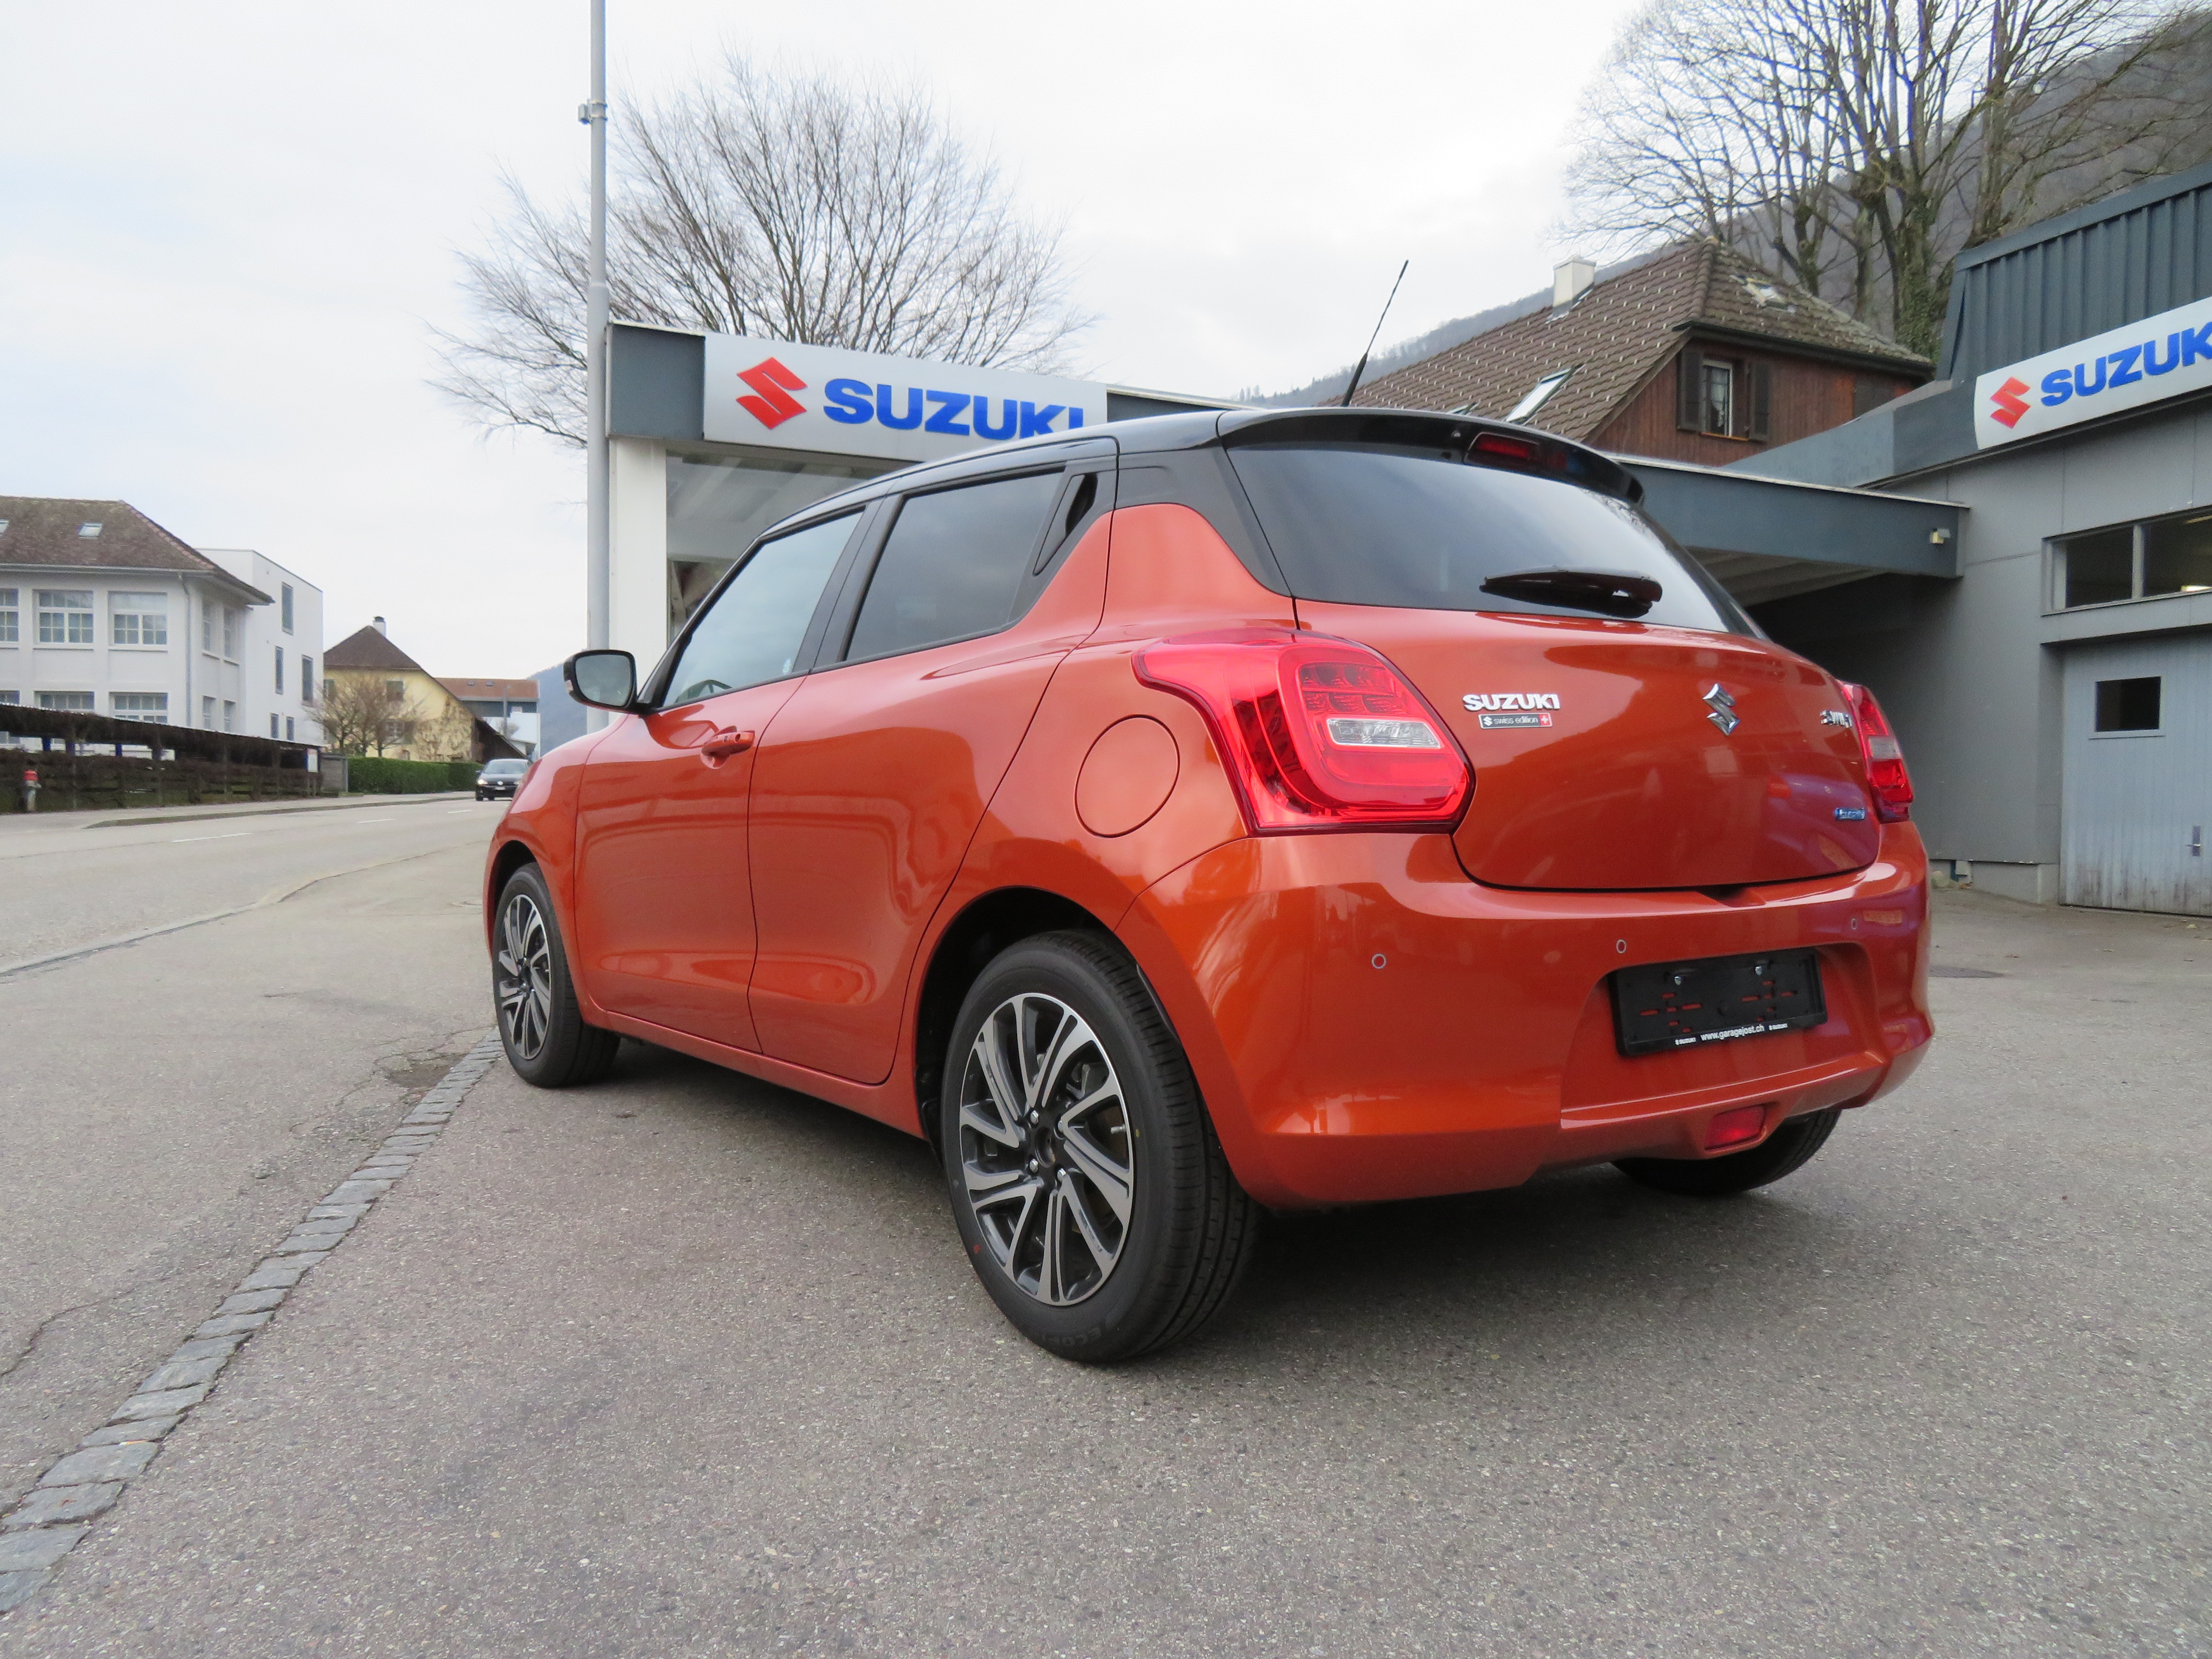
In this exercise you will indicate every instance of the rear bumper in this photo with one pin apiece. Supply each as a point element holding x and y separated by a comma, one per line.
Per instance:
<point>1368,1024</point>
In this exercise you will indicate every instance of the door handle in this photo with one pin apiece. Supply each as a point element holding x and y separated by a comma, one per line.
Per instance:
<point>721,745</point>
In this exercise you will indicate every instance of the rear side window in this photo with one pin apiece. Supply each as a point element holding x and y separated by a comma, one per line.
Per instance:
<point>751,633</point>
<point>954,565</point>
<point>1366,525</point>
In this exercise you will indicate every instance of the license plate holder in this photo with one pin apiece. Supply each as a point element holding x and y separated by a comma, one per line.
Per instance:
<point>1660,1006</point>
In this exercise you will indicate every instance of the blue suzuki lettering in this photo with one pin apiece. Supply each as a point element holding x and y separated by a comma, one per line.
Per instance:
<point>2057,387</point>
<point>942,421</point>
<point>2082,386</point>
<point>913,409</point>
<point>1036,422</point>
<point>848,402</point>
<point>2196,342</point>
<point>983,427</point>
<point>2125,372</point>
<point>2172,355</point>
<point>1074,417</point>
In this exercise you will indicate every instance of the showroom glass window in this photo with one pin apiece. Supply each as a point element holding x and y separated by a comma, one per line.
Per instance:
<point>2154,559</point>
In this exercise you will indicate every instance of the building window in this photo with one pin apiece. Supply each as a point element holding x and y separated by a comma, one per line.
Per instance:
<point>1716,405</point>
<point>141,706</point>
<point>280,670</point>
<point>74,703</point>
<point>272,725</point>
<point>306,679</point>
<point>64,616</point>
<point>138,618</point>
<point>11,698</point>
<point>2148,561</point>
<point>1538,396</point>
<point>284,604</point>
<point>229,716</point>
<point>230,633</point>
<point>11,619</point>
<point>395,690</point>
<point>288,736</point>
<point>2130,705</point>
<point>207,713</point>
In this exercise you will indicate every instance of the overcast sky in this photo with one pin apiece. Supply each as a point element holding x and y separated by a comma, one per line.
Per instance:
<point>230,228</point>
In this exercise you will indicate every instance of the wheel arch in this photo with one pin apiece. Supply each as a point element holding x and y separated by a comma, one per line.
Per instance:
<point>989,923</point>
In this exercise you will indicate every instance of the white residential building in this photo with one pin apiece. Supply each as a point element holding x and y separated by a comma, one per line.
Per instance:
<point>103,611</point>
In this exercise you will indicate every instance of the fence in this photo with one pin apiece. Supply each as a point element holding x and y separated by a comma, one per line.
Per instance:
<point>84,761</point>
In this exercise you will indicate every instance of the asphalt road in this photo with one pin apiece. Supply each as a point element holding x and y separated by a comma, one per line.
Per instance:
<point>684,1364</point>
<point>167,1107</point>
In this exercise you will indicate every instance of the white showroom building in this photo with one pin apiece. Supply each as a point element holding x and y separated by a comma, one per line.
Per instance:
<point>104,611</point>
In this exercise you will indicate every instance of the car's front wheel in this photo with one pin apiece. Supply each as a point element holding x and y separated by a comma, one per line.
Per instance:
<point>1090,1191</point>
<point>540,1024</point>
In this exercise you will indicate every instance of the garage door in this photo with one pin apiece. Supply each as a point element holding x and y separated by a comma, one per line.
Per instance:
<point>2138,796</point>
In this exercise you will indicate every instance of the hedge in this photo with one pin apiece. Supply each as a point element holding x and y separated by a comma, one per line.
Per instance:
<point>367,775</point>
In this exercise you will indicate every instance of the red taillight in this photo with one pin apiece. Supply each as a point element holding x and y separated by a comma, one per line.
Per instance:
<point>1317,733</point>
<point>1735,1126</point>
<point>1885,760</point>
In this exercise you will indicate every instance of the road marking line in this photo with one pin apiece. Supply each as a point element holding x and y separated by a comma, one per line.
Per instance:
<point>179,840</point>
<point>52,1516</point>
<point>372,820</point>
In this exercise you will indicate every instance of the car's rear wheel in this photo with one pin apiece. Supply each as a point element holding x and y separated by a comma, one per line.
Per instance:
<point>540,1024</point>
<point>1092,1194</point>
<point>1780,1153</point>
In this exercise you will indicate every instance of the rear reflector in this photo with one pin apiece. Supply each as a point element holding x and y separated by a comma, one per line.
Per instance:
<point>1735,1126</point>
<point>1885,759</point>
<point>1317,733</point>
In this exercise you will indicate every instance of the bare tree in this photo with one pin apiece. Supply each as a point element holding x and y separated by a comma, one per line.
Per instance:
<point>1854,146</point>
<point>785,206</point>
<point>360,716</point>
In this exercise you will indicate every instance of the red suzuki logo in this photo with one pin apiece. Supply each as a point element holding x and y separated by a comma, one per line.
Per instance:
<point>775,383</point>
<point>2010,405</point>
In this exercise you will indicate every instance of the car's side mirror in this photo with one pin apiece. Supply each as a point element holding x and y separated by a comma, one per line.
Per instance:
<point>602,679</point>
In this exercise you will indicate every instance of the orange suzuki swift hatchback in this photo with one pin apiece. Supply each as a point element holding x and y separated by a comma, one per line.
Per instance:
<point>1226,811</point>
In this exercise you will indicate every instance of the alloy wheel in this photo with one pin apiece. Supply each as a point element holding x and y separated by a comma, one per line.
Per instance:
<point>1045,1146</point>
<point>523,979</point>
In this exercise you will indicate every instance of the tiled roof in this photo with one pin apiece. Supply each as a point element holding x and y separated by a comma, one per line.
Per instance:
<point>1621,330</point>
<point>485,691</point>
<point>50,531</point>
<point>366,648</point>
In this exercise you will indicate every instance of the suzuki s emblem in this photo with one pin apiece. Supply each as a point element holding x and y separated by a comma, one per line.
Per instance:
<point>1723,714</point>
<point>772,404</point>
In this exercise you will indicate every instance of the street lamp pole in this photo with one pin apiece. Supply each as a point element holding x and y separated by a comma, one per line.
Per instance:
<point>598,585</point>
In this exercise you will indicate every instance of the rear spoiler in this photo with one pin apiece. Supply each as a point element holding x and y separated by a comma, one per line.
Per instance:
<point>1457,437</point>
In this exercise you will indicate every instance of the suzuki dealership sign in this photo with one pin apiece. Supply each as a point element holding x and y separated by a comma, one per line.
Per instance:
<point>2144,362</point>
<point>773,395</point>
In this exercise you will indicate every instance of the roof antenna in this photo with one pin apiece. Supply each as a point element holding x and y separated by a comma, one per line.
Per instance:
<point>1365,355</point>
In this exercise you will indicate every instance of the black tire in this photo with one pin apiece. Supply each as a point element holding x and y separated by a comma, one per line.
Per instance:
<point>1780,1153</point>
<point>546,1040</point>
<point>1189,1229</point>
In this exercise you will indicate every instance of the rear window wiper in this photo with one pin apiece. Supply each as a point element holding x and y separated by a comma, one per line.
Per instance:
<point>1608,592</point>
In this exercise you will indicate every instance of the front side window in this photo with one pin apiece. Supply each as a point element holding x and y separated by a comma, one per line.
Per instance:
<point>74,703</point>
<point>11,618</point>
<point>751,633</point>
<point>954,565</point>
<point>64,616</point>
<point>142,705</point>
<point>138,618</point>
<point>1369,525</point>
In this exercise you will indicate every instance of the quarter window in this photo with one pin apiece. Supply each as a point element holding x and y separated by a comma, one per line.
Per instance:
<point>138,618</point>
<point>954,565</point>
<point>64,616</point>
<point>752,631</point>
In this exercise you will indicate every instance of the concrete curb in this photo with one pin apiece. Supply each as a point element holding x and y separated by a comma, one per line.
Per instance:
<point>87,1481</point>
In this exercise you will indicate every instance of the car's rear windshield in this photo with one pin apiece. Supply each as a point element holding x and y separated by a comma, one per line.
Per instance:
<point>1368,525</point>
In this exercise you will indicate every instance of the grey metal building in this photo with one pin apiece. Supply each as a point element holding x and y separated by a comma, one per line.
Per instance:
<point>2054,689</point>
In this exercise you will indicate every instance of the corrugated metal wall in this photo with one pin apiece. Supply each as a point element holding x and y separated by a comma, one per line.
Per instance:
<point>2131,256</point>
